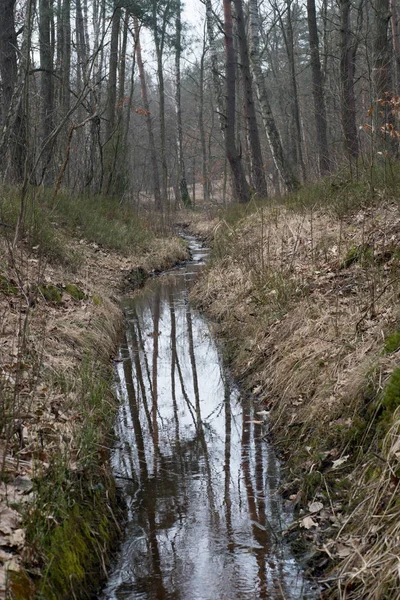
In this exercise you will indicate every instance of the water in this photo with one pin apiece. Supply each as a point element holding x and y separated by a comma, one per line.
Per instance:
<point>204,517</point>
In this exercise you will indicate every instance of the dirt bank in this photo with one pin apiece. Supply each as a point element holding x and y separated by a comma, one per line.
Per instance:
<point>306,299</point>
<point>59,329</point>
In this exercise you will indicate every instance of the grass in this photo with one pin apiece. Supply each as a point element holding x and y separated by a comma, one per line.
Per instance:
<point>303,289</point>
<point>68,527</point>
<point>49,224</point>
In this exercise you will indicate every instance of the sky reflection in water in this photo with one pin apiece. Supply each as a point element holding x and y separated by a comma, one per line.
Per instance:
<point>204,516</point>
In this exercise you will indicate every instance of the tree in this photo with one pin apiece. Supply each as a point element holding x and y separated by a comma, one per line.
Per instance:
<point>257,167</point>
<point>318,90</point>
<point>271,129</point>
<point>348,52</point>
<point>232,153</point>
<point>182,183</point>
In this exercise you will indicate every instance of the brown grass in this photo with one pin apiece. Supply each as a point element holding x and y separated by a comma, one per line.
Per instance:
<point>304,300</point>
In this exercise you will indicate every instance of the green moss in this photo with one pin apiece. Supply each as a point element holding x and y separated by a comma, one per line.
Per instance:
<point>392,343</point>
<point>97,301</point>
<point>50,293</point>
<point>21,586</point>
<point>359,253</point>
<point>391,398</point>
<point>7,287</point>
<point>75,292</point>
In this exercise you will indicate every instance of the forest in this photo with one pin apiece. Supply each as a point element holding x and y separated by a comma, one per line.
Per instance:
<point>129,99</point>
<point>199,299</point>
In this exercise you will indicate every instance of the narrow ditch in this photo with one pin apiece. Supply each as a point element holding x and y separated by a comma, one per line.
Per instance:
<point>205,520</point>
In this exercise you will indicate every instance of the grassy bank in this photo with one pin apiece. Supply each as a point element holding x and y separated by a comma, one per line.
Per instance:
<point>305,292</point>
<point>59,329</point>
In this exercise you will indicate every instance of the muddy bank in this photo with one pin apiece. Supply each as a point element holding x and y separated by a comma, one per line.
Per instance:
<point>60,328</point>
<point>306,301</point>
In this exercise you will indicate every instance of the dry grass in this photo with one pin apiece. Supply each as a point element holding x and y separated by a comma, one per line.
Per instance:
<point>55,358</point>
<point>305,299</point>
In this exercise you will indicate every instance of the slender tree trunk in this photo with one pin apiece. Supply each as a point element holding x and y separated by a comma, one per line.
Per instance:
<point>242,190</point>
<point>396,45</point>
<point>112,76</point>
<point>348,50</point>
<point>159,39</point>
<point>206,183</point>
<point>46,77</point>
<point>381,61</point>
<point>8,53</point>
<point>183,188</point>
<point>256,159</point>
<point>318,90</point>
<point>66,56</point>
<point>289,41</point>
<point>149,121</point>
<point>268,118</point>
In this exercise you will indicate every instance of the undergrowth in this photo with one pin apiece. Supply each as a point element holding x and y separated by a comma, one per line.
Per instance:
<point>70,526</point>
<point>49,223</point>
<point>305,292</point>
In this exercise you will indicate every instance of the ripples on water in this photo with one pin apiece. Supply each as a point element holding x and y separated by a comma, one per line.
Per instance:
<point>204,518</point>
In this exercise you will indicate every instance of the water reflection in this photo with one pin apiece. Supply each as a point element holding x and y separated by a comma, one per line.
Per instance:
<point>204,516</point>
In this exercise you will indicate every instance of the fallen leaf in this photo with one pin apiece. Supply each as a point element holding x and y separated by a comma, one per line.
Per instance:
<point>308,522</point>
<point>339,461</point>
<point>315,507</point>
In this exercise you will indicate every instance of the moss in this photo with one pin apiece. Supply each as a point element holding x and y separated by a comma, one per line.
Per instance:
<point>360,253</point>
<point>50,293</point>
<point>7,287</point>
<point>76,550</point>
<point>21,586</point>
<point>390,399</point>
<point>392,343</point>
<point>75,292</point>
<point>97,301</point>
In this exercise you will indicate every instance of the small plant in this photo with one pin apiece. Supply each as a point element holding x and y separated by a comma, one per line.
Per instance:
<point>50,292</point>
<point>392,343</point>
<point>75,292</point>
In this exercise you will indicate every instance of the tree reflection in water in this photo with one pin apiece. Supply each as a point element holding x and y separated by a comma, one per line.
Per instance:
<point>200,481</point>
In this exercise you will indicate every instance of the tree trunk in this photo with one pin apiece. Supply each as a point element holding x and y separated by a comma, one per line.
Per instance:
<point>182,182</point>
<point>257,167</point>
<point>66,56</point>
<point>8,53</point>
<point>268,118</point>
<point>348,50</point>
<point>242,190</point>
<point>149,121</point>
<point>206,183</point>
<point>396,45</point>
<point>318,90</point>
<point>289,41</point>
<point>46,77</point>
<point>159,39</point>
<point>381,62</point>
<point>112,76</point>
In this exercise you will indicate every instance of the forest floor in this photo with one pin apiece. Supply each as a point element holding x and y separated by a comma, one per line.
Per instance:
<point>60,325</point>
<point>304,291</point>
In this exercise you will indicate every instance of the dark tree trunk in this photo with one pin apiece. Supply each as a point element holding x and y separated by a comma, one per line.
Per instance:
<point>381,62</point>
<point>112,76</point>
<point>348,51</point>
<point>8,53</point>
<point>182,183</point>
<point>242,190</point>
<point>257,167</point>
<point>318,90</point>
<point>149,121</point>
<point>46,77</point>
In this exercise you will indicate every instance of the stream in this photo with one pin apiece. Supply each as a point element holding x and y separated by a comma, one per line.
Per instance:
<point>204,517</point>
